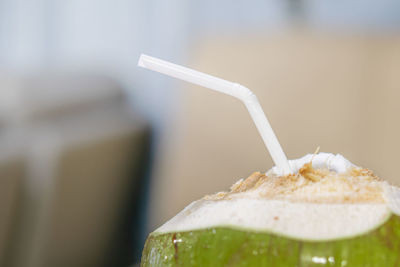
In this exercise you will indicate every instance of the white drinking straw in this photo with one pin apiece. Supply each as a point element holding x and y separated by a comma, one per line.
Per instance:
<point>229,88</point>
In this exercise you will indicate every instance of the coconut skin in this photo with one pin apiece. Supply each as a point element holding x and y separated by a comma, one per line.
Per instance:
<point>224,246</point>
<point>194,238</point>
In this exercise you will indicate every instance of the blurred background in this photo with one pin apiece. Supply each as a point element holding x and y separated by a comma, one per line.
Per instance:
<point>95,153</point>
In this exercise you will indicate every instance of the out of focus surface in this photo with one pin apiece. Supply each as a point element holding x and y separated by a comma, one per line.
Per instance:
<point>95,153</point>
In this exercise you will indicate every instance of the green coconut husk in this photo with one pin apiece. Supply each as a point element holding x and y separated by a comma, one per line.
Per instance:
<point>223,246</point>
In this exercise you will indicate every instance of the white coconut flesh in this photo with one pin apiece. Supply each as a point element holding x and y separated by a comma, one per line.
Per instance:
<point>327,198</point>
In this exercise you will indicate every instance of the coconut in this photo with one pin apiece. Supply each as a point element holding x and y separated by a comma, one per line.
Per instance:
<point>329,212</point>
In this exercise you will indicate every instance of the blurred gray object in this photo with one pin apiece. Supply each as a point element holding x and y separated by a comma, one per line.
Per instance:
<point>11,175</point>
<point>83,149</point>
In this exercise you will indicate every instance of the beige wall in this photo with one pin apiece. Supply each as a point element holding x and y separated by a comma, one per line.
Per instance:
<point>337,92</point>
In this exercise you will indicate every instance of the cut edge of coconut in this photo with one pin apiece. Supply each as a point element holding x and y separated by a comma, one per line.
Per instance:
<point>392,196</point>
<point>300,221</point>
<point>314,204</point>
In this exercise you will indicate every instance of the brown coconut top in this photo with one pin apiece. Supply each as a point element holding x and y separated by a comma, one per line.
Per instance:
<point>357,185</point>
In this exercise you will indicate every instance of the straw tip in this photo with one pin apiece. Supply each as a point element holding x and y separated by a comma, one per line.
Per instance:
<point>140,61</point>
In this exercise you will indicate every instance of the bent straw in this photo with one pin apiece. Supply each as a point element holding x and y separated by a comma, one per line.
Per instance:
<point>233,89</point>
